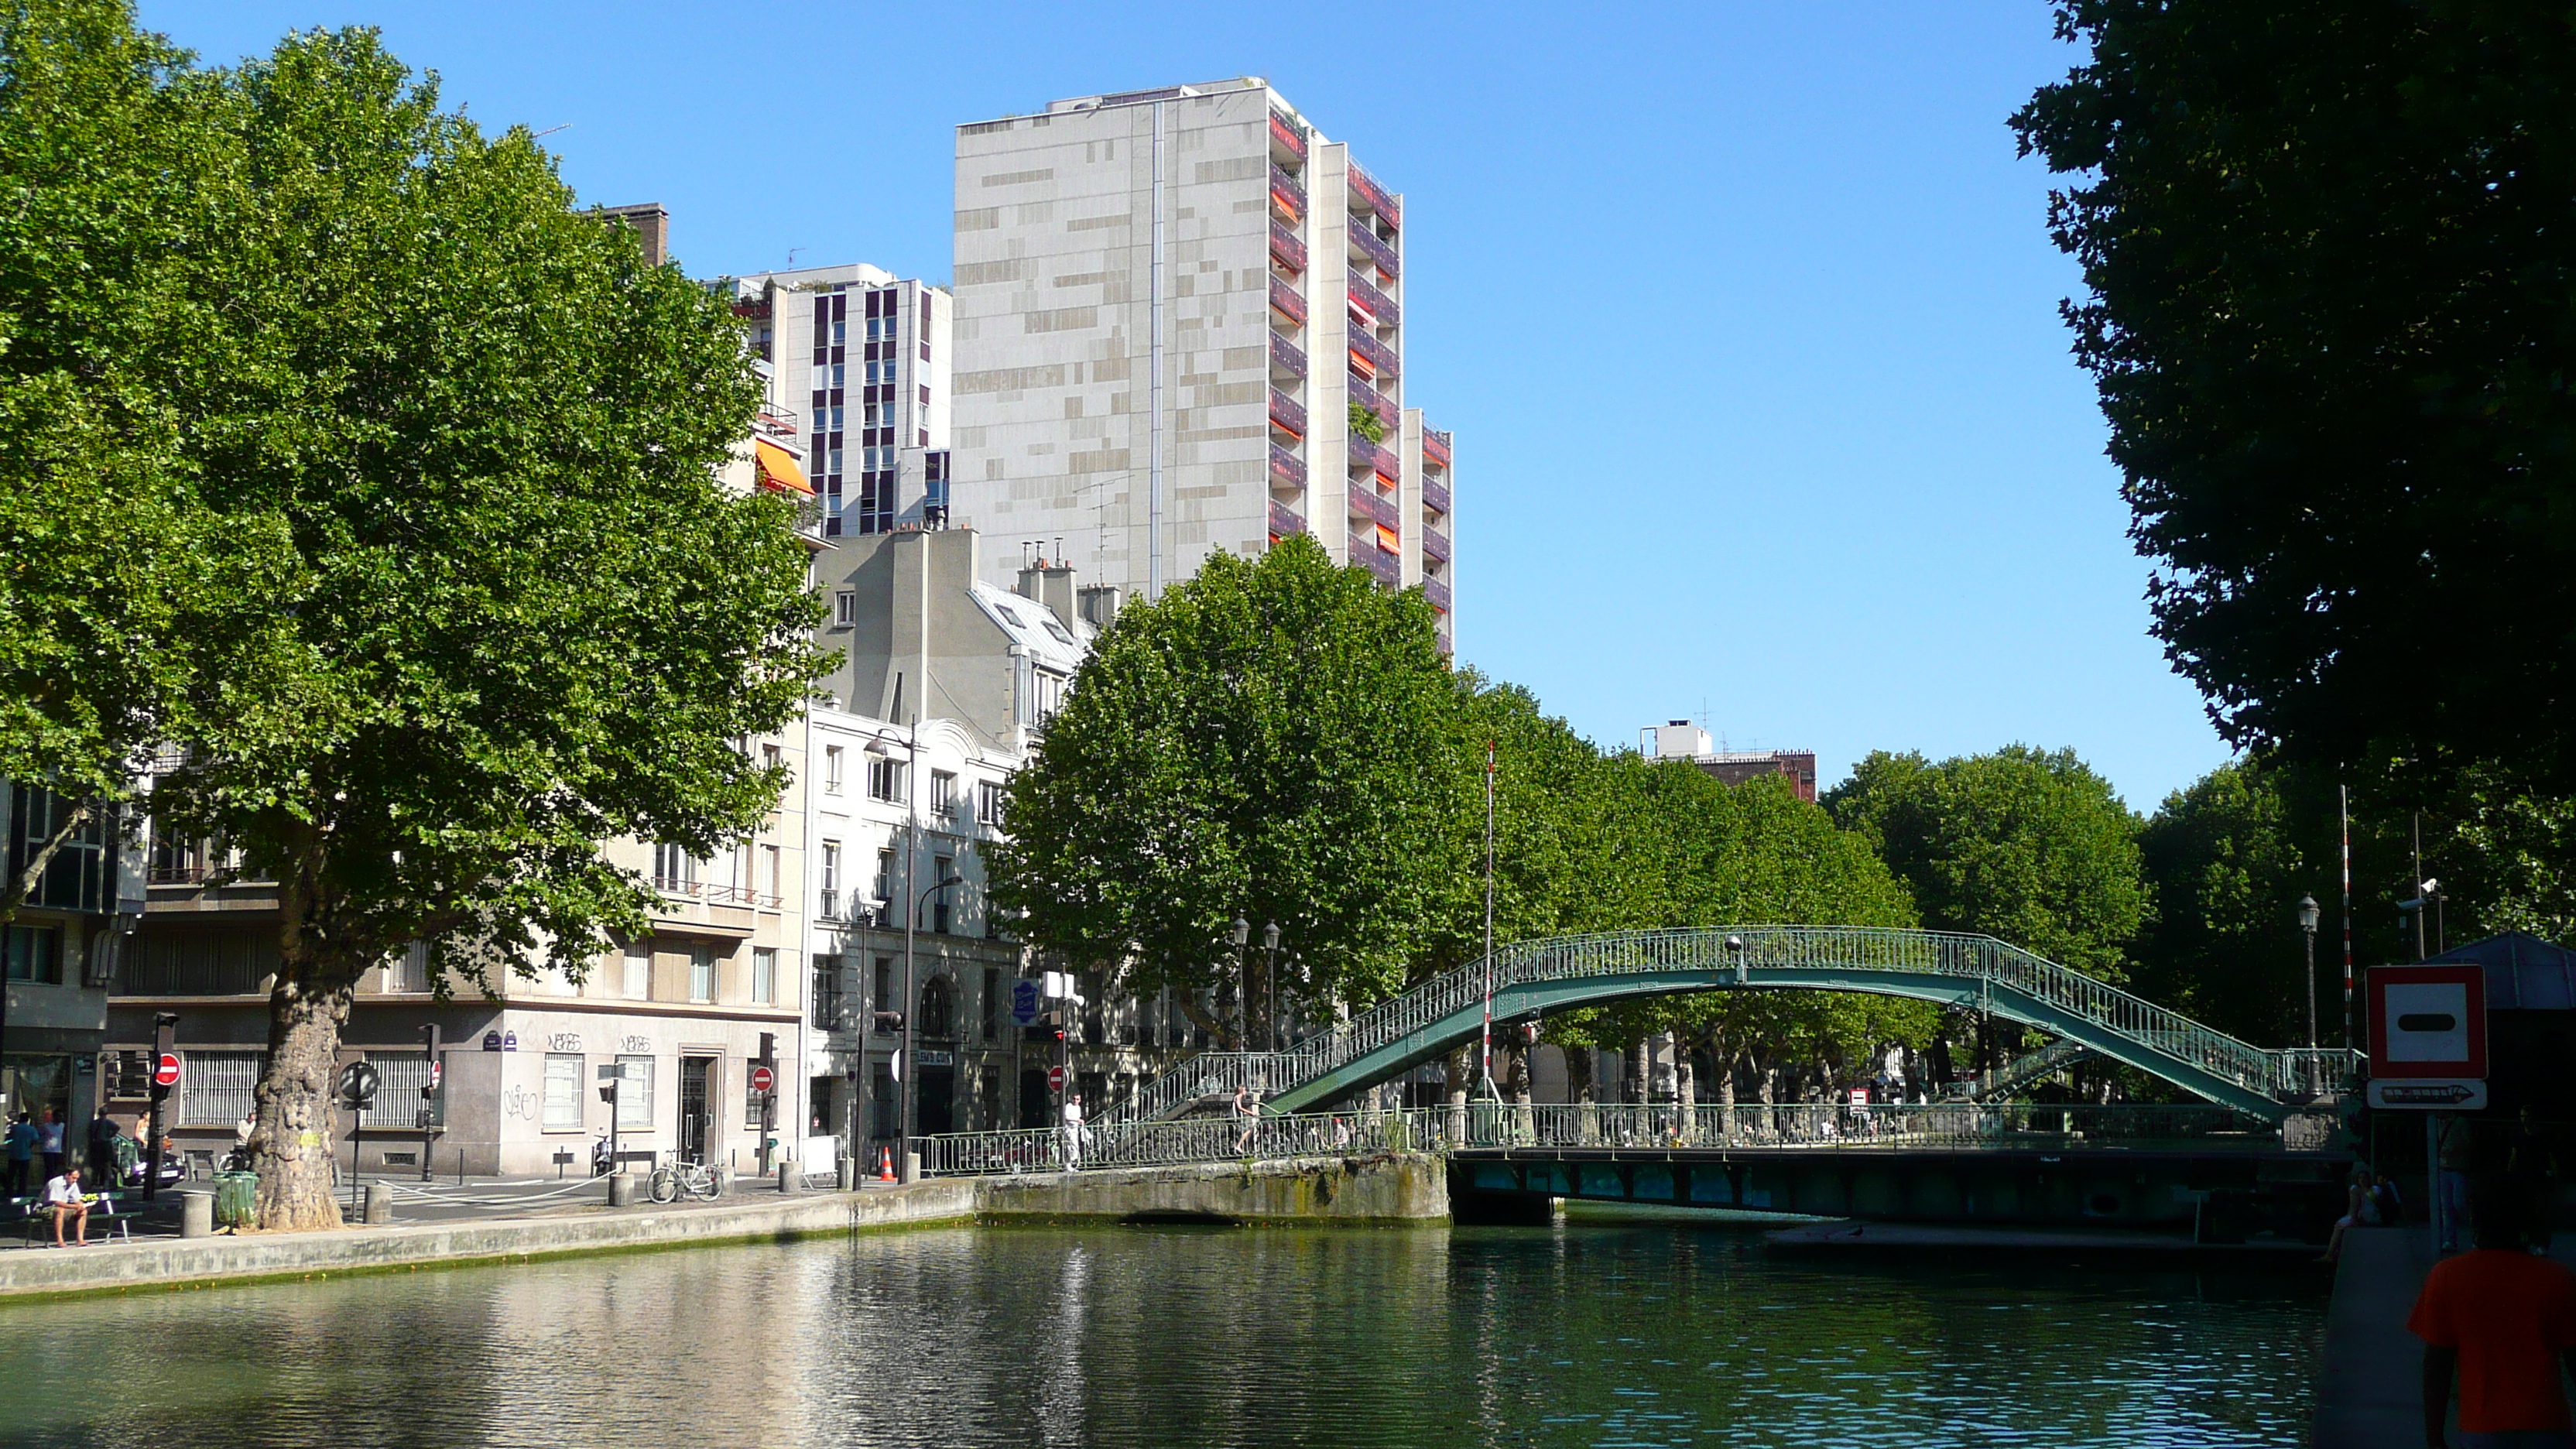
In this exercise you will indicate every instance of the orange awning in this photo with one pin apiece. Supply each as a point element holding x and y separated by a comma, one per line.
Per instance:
<point>778,467</point>
<point>1388,541</point>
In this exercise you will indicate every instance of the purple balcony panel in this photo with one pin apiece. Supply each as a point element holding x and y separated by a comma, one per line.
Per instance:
<point>1364,243</point>
<point>1436,594</point>
<point>1366,553</point>
<point>1377,354</point>
<point>1284,522</point>
<point>1435,447</point>
<point>1287,470</point>
<point>1370,398</point>
<point>1364,188</point>
<point>1285,301</point>
<point>1361,452</point>
<point>1375,303</point>
<point>1285,413</point>
<point>1285,249</point>
<point>1286,135</point>
<point>1366,504</point>
<point>1435,545</point>
<point>1283,184</point>
<point>1435,497</point>
<point>1287,357</point>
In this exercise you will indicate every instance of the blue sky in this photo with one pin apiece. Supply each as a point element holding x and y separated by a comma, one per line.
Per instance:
<point>1745,316</point>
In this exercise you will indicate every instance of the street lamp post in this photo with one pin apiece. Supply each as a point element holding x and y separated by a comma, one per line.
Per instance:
<point>1241,935</point>
<point>2308,927</point>
<point>1270,986</point>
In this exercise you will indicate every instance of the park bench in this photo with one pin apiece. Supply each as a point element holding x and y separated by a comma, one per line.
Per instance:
<point>109,1217</point>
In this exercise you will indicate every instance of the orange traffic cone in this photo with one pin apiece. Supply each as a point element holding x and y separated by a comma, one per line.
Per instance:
<point>885,1164</point>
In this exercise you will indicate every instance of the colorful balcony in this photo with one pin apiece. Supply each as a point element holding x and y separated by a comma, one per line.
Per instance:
<point>1366,553</point>
<point>1436,594</point>
<point>1435,448</point>
<point>1286,415</point>
<point>1363,454</point>
<point>1372,357</point>
<point>1287,470</point>
<point>1435,545</point>
<point>1375,401</point>
<point>1284,522</point>
<point>1286,250</point>
<point>1285,301</point>
<point>1365,190</point>
<point>1366,247</point>
<point>1435,496</point>
<point>1287,139</point>
<point>1287,359</point>
<point>1365,503</point>
<point>1287,198</point>
<point>1373,308</point>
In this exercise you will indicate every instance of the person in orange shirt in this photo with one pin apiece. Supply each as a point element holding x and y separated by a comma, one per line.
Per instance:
<point>2499,1321</point>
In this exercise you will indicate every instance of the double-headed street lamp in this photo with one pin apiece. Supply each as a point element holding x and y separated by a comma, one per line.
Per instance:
<point>1242,938</point>
<point>2308,925</point>
<point>904,1079</point>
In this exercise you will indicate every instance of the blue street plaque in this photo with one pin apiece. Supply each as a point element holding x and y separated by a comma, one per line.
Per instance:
<point>1027,1001</point>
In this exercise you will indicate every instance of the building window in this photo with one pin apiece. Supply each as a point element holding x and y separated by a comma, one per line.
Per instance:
<point>845,607</point>
<point>773,880</point>
<point>885,997</point>
<point>218,1088</point>
<point>639,973</point>
<point>35,953</point>
<point>992,1003</point>
<point>831,769</point>
<point>563,1092</point>
<point>941,868</point>
<point>764,975</point>
<point>702,973</point>
<point>943,793</point>
<point>410,970</point>
<point>831,902</point>
<point>988,802</point>
<point>885,880</point>
<point>885,779</point>
<point>673,869</point>
<point>1050,695</point>
<point>635,1094</point>
<point>400,1076</point>
<point>937,1016</point>
<point>827,992</point>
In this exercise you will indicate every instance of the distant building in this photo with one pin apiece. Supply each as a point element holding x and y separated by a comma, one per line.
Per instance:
<point>1681,740</point>
<point>60,953</point>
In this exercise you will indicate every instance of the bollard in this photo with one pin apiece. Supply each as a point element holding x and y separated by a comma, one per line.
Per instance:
<point>845,1175</point>
<point>911,1166</point>
<point>621,1189</point>
<point>380,1203</point>
<point>786,1174</point>
<point>196,1215</point>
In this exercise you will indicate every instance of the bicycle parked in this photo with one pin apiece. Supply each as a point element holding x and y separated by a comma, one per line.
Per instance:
<point>694,1178</point>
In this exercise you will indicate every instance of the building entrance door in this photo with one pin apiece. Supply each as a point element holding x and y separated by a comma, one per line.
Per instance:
<point>938,1100</point>
<point>1035,1099</point>
<point>697,1105</point>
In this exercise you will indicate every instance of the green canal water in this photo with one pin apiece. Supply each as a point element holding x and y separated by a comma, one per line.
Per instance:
<point>1587,1333</point>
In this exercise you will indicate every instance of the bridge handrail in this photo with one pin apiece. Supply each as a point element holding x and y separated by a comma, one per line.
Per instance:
<point>2282,1075</point>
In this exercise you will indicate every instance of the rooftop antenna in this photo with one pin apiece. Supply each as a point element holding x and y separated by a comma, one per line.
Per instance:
<point>1059,553</point>
<point>548,131</point>
<point>791,259</point>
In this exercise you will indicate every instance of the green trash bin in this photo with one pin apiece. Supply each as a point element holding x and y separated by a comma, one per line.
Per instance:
<point>236,1198</point>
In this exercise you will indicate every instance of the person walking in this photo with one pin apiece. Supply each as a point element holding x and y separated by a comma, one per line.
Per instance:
<point>1072,1132</point>
<point>22,1155</point>
<point>63,1194</point>
<point>49,1144</point>
<point>1247,1115</point>
<point>2497,1322</point>
<point>103,1133</point>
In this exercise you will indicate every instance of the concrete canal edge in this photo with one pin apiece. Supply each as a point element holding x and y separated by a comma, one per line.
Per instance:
<point>1389,1188</point>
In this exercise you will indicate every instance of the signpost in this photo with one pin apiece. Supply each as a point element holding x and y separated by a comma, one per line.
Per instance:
<point>429,1096</point>
<point>165,1075</point>
<point>2428,1051</point>
<point>358,1083</point>
<point>612,1075</point>
<point>763,1080</point>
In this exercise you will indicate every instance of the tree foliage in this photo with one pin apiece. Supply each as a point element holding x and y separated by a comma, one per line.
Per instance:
<point>2332,316</point>
<point>2227,871</point>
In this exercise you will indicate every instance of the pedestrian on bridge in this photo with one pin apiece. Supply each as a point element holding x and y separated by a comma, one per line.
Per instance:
<point>1247,1118</point>
<point>1073,1132</point>
<point>2500,1322</point>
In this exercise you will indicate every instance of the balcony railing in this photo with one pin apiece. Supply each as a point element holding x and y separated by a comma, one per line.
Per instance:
<point>1375,401</point>
<point>1365,245</point>
<point>1376,354</point>
<point>777,420</point>
<point>1435,496</point>
<point>1380,308</point>
<point>1284,522</point>
<point>1364,188</point>
<point>1287,470</point>
<point>1286,414</point>
<point>1435,447</point>
<point>1286,136</point>
<point>1435,545</point>
<point>1366,553</point>
<point>1285,249</point>
<point>1361,451</point>
<point>1286,357</point>
<point>1365,503</point>
<point>1436,594</point>
<point>1286,301</point>
<point>1284,191</point>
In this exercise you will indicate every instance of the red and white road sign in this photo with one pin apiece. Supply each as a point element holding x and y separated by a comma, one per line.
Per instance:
<point>1055,1079</point>
<point>2428,1036</point>
<point>763,1079</point>
<point>437,1074</point>
<point>165,1073</point>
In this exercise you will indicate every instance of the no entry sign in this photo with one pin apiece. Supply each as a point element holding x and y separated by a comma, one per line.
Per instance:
<point>2428,1036</point>
<point>763,1079</point>
<point>1055,1079</point>
<point>165,1072</point>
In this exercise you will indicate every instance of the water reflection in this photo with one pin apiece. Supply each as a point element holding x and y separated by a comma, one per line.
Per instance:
<point>1579,1335</point>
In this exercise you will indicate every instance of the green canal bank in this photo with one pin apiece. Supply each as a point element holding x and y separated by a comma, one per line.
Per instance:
<point>1394,1188</point>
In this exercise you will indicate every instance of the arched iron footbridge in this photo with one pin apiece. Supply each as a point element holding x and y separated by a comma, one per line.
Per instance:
<point>1539,978</point>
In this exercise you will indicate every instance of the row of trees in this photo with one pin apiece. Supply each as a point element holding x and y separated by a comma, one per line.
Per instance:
<point>344,459</point>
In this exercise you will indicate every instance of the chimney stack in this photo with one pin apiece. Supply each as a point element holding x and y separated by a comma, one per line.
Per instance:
<point>652,228</point>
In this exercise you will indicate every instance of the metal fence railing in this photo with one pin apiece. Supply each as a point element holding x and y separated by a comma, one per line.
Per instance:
<point>1815,1126</point>
<point>2158,1034</point>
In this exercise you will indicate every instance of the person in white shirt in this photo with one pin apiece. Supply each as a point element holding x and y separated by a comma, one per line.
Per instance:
<point>63,1194</point>
<point>1072,1132</point>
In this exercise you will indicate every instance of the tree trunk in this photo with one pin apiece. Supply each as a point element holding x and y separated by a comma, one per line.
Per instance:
<point>1685,1095</point>
<point>1725,1062</point>
<point>296,1140</point>
<point>1456,1066</point>
<point>1580,1085</point>
<point>1199,1016</point>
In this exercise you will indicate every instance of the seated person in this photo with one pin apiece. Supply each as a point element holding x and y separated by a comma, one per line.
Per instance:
<point>63,1194</point>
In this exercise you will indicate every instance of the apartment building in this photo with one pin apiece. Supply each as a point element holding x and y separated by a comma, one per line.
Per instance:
<point>59,952</point>
<point>862,356</point>
<point>1180,328</point>
<point>1682,740</point>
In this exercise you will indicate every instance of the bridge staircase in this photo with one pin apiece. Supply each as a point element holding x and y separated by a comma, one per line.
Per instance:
<point>2023,1071</point>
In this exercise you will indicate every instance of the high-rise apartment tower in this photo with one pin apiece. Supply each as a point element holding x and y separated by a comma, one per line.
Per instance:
<point>1180,328</point>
